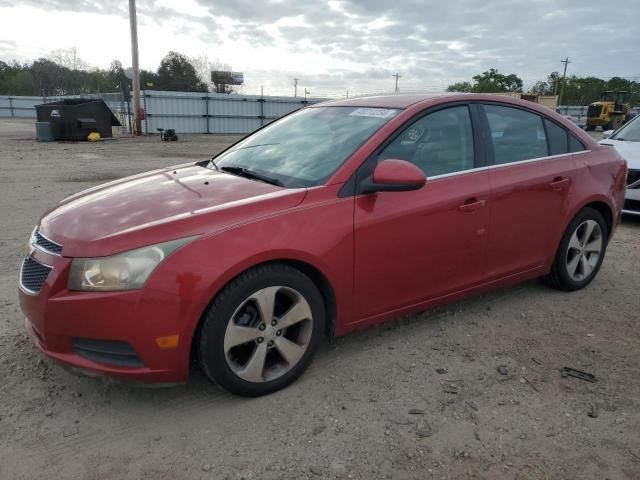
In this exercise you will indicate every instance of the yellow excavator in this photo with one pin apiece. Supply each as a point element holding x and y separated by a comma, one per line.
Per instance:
<point>611,112</point>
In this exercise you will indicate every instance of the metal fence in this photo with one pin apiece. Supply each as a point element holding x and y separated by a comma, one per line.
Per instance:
<point>215,112</point>
<point>579,113</point>
<point>192,112</point>
<point>185,112</point>
<point>24,107</point>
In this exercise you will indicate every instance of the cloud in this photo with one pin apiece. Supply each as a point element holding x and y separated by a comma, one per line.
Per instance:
<point>357,44</point>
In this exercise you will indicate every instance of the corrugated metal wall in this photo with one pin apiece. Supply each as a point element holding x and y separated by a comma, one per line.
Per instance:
<point>189,112</point>
<point>579,113</point>
<point>215,112</point>
<point>186,112</point>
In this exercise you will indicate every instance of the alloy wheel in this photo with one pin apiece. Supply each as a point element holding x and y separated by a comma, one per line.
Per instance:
<point>268,334</point>
<point>584,250</point>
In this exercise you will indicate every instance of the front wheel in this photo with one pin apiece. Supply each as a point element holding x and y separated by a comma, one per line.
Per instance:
<point>261,331</point>
<point>581,251</point>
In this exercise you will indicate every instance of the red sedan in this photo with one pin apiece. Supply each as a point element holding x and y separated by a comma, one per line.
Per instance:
<point>336,217</point>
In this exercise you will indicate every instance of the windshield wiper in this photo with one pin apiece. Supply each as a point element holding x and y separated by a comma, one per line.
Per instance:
<point>247,173</point>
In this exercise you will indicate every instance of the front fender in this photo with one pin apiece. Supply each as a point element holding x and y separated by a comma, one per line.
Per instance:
<point>319,233</point>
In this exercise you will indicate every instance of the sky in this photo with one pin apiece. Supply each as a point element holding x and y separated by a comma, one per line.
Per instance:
<point>334,46</point>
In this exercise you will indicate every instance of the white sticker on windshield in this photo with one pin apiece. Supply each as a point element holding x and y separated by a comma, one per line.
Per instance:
<point>373,112</point>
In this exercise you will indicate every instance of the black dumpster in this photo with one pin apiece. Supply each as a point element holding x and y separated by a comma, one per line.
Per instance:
<point>75,119</point>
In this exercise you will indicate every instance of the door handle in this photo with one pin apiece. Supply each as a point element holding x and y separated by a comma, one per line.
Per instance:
<point>471,205</point>
<point>559,183</point>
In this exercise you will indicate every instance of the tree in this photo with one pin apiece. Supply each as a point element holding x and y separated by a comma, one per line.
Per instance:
<point>465,87</point>
<point>178,74</point>
<point>490,81</point>
<point>68,58</point>
<point>119,80</point>
<point>493,81</point>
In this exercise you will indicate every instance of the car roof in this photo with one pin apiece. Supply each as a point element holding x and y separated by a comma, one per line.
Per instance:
<point>396,100</point>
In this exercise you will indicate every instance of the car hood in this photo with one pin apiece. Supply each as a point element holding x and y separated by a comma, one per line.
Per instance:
<point>159,206</point>
<point>630,151</point>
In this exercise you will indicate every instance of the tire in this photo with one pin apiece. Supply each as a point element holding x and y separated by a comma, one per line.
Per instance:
<point>590,128</point>
<point>578,259</point>
<point>246,356</point>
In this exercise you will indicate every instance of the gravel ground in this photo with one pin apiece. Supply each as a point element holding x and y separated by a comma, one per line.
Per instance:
<point>418,398</point>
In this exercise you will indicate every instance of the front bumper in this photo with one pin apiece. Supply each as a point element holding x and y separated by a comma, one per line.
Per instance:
<point>62,323</point>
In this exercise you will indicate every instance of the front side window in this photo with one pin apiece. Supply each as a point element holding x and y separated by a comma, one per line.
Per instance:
<point>439,143</point>
<point>306,147</point>
<point>517,135</point>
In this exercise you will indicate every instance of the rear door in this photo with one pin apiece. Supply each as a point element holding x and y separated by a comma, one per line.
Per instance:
<point>418,245</point>
<point>531,178</point>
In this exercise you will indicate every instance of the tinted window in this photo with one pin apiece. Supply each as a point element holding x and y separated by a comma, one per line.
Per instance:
<point>575,145</point>
<point>517,135</point>
<point>304,148</point>
<point>440,142</point>
<point>557,136</point>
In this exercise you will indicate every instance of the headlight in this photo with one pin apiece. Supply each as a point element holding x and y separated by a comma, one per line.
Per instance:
<point>125,271</point>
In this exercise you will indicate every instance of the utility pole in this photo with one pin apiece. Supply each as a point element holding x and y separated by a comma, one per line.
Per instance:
<point>397,77</point>
<point>135,67</point>
<point>295,87</point>
<point>564,76</point>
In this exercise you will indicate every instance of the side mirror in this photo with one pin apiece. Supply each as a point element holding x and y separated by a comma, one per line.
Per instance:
<point>607,133</point>
<point>394,176</point>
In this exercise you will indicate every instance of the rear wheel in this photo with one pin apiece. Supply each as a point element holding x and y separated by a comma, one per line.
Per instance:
<point>581,251</point>
<point>262,330</point>
<point>590,128</point>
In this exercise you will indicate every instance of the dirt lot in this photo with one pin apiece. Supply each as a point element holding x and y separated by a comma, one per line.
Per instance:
<point>352,414</point>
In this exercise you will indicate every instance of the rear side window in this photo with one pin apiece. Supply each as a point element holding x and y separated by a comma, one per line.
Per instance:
<point>517,134</point>
<point>575,145</point>
<point>558,138</point>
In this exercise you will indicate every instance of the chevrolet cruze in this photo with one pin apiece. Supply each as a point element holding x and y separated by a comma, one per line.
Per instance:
<point>333,218</point>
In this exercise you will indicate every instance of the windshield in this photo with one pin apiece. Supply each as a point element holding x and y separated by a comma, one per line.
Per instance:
<point>303,149</point>
<point>630,132</point>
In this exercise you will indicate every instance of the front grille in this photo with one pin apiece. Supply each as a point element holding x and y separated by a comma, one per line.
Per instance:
<point>111,352</point>
<point>633,177</point>
<point>33,275</point>
<point>44,243</point>
<point>594,110</point>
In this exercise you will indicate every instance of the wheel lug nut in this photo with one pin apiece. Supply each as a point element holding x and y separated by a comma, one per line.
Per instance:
<point>262,326</point>
<point>274,323</point>
<point>260,339</point>
<point>270,343</point>
<point>279,332</point>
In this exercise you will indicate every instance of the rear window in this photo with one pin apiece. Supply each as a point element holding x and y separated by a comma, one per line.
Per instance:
<point>517,135</point>
<point>557,137</point>
<point>576,145</point>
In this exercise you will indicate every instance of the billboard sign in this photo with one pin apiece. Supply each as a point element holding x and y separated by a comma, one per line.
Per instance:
<point>227,78</point>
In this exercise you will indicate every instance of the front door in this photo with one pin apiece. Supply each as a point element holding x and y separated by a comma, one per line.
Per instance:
<point>419,245</point>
